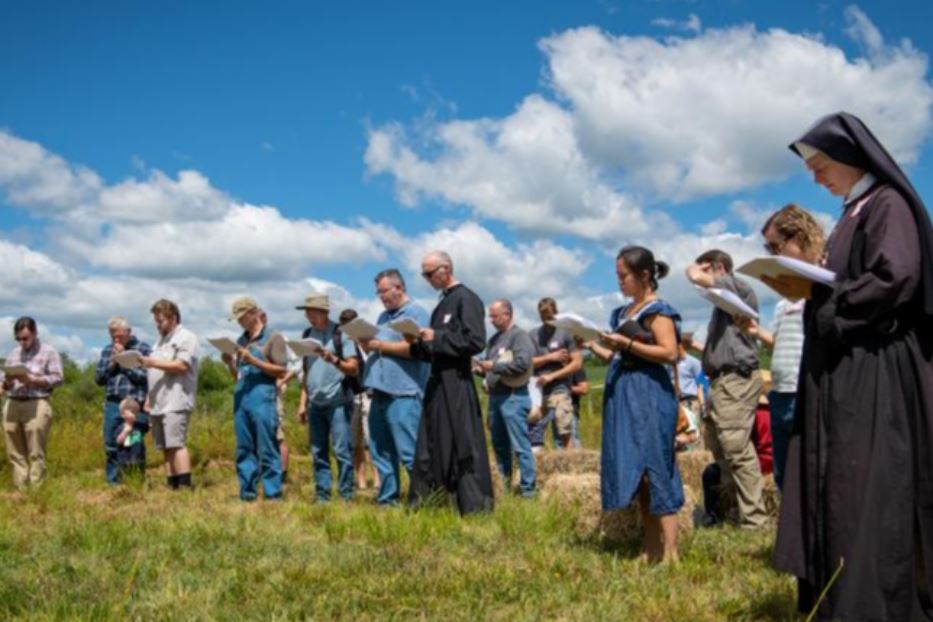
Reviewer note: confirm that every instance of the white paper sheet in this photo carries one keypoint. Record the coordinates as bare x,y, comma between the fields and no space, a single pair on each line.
224,344
359,329
306,347
577,326
774,267
405,326
130,359
15,370
727,301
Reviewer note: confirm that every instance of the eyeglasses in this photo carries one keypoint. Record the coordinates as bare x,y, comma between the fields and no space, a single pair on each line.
23,339
429,273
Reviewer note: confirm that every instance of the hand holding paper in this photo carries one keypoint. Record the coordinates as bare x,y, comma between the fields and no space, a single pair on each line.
225,345
306,347
405,326
359,329
128,359
727,301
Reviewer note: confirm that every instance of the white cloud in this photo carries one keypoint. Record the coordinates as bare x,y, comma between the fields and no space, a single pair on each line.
692,23
247,242
161,198
637,121
689,117
525,169
33,177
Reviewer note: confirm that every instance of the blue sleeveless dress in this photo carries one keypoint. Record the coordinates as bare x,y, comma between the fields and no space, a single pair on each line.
639,423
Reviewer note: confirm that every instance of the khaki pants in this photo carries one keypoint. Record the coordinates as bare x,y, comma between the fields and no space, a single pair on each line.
26,431
732,401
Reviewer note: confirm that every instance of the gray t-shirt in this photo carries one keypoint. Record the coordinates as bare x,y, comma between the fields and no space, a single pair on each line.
549,339
170,393
728,349
511,353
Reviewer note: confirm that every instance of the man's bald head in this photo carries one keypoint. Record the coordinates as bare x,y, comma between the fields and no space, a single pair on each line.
438,258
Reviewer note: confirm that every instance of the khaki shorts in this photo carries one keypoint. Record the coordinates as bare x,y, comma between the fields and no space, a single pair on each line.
170,430
562,406
359,421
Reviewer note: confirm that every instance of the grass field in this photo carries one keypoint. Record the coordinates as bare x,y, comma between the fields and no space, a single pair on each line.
78,549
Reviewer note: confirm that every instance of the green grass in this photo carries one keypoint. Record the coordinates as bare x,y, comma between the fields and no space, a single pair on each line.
78,549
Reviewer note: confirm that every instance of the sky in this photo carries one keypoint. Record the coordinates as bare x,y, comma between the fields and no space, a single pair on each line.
205,151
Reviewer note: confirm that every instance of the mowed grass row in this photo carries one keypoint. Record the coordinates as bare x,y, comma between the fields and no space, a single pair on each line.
78,549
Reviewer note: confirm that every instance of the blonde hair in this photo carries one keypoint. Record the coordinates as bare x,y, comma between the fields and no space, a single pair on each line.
130,404
118,321
792,222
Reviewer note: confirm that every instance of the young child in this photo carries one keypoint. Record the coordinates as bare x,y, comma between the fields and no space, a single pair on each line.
131,450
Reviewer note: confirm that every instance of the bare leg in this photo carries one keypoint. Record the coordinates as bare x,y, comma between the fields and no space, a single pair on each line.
653,546
668,523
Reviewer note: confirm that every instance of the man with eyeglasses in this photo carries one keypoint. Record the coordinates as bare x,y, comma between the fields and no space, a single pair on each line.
450,453
27,414
397,383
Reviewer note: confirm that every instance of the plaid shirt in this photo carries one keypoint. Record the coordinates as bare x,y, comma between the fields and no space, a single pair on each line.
43,362
120,382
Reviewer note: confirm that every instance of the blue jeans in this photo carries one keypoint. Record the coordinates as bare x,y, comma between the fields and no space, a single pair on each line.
508,422
393,429
325,423
113,423
256,423
782,425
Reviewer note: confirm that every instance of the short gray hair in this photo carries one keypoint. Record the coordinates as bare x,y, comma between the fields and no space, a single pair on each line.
117,322
443,258
393,275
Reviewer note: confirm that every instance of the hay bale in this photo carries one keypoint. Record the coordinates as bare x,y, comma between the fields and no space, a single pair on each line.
566,461
580,493
691,465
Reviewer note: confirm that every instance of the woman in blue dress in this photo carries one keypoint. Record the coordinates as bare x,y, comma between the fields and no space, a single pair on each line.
640,405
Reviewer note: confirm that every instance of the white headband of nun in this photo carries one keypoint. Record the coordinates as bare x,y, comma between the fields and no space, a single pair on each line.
806,151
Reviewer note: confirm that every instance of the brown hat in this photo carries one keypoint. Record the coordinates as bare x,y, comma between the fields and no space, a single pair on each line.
242,306
316,301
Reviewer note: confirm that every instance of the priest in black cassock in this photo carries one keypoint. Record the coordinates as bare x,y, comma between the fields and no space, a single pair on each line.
450,452
858,492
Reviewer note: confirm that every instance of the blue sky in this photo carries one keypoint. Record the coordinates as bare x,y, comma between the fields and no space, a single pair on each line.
479,126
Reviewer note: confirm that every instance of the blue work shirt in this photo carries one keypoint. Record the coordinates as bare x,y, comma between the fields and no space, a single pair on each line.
392,374
324,381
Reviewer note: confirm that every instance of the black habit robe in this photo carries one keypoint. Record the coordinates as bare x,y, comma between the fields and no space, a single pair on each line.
859,483
450,452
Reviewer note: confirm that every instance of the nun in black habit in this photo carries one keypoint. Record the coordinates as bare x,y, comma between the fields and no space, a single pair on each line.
450,451
858,493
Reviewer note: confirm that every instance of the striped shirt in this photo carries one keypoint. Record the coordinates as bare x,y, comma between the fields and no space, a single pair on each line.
43,362
788,345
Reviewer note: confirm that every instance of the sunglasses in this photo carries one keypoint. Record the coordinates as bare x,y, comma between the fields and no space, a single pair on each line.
429,273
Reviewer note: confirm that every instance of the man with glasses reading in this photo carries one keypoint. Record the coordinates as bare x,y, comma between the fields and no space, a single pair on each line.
397,383
450,453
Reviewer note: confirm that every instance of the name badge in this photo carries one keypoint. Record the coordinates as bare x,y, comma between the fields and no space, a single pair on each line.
447,317
554,345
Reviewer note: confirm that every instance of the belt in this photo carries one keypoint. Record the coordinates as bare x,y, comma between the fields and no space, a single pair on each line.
684,397
20,398
745,372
